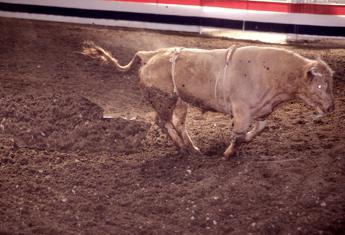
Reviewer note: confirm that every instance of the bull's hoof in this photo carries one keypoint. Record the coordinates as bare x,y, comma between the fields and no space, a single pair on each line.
183,151
228,155
226,158
191,151
195,151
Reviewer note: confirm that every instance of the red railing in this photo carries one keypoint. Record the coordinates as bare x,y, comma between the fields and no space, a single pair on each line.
275,6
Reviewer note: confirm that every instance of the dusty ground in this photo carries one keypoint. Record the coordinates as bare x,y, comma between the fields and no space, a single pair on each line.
64,169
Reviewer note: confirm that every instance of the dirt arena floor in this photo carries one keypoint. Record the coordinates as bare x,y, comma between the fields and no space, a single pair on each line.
67,168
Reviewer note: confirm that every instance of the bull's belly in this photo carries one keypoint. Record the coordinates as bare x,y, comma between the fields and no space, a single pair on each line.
200,96
204,102
199,103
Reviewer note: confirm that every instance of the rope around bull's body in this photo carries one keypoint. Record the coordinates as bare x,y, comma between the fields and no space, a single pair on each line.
228,57
173,65
229,53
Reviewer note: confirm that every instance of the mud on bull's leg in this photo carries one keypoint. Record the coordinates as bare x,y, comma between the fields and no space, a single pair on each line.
165,105
174,135
170,130
179,121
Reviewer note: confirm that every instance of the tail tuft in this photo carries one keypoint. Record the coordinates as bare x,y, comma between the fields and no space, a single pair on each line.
92,50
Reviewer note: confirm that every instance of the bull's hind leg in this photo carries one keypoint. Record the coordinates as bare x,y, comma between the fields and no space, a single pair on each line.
174,135
179,121
164,105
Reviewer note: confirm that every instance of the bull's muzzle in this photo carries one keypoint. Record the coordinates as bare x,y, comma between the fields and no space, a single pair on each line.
322,111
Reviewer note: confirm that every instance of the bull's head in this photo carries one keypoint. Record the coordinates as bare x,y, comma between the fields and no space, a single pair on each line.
317,88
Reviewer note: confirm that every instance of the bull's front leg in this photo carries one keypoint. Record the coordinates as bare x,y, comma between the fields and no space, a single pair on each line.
241,119
259,126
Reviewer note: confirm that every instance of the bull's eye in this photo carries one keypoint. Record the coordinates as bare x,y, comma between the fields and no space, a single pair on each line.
319,86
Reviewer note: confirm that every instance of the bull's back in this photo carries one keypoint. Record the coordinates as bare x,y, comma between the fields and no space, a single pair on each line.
267,60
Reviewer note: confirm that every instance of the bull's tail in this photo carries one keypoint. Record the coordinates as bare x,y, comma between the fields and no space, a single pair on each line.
94,51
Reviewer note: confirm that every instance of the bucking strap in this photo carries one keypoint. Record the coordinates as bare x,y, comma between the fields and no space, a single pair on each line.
173,65
228,58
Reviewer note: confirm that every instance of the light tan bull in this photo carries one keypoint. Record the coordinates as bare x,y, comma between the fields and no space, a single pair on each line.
247,83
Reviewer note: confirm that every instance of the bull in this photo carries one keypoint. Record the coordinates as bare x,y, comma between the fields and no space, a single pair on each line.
248,83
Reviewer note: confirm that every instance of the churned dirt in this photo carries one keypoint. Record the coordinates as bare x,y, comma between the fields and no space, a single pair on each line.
79,153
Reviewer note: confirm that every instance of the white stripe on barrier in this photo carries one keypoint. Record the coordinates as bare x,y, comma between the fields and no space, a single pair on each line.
106,22
197,11
228,33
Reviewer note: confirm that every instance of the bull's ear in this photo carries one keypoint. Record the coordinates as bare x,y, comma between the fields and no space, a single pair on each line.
315,72
310,76
311,71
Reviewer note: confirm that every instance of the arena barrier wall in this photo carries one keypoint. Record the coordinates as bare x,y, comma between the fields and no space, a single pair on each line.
292,17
